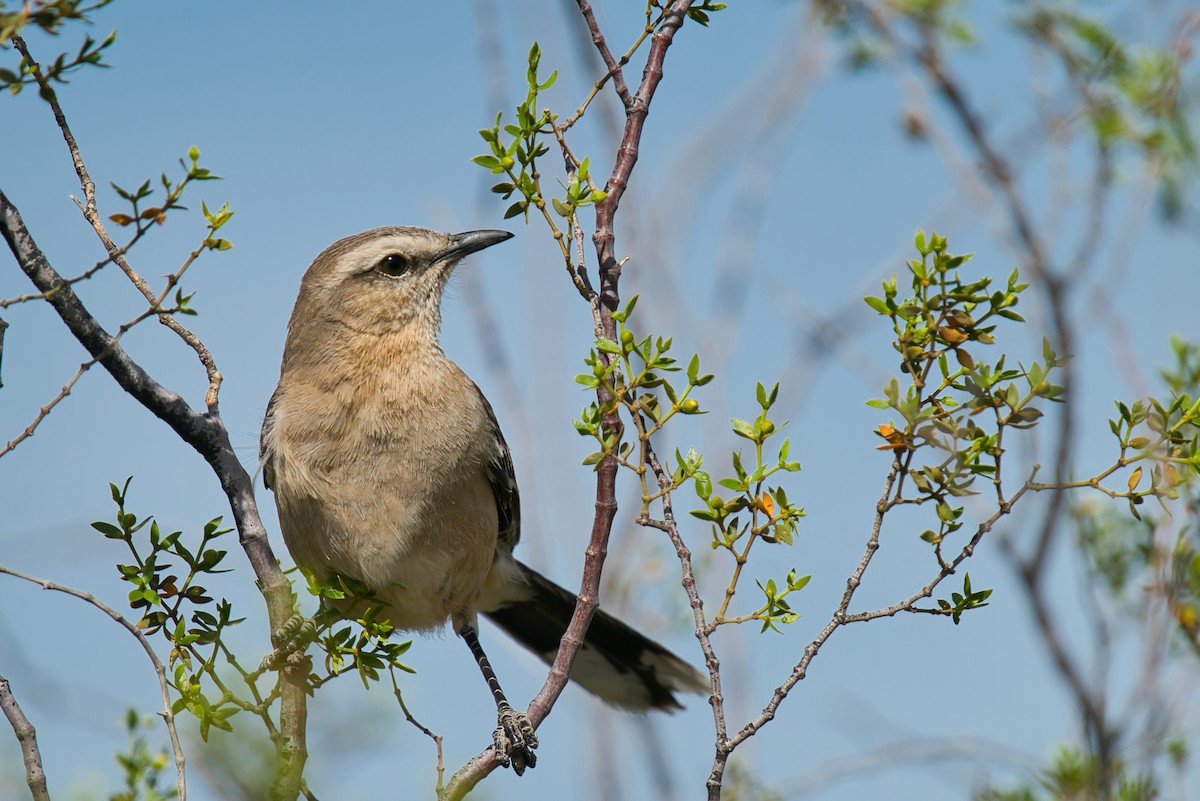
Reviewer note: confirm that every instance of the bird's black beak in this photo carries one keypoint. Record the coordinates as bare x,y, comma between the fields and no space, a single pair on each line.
471,241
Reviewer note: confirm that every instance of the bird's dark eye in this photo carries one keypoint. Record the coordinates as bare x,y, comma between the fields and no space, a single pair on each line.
392,264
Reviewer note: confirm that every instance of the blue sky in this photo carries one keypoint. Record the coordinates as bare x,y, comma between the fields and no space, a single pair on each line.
325,122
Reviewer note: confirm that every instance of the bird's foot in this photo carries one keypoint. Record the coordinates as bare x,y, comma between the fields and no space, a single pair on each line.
514,740
290,641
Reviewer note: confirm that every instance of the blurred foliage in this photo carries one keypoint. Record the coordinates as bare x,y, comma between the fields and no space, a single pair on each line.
50,16
1074,775
145,770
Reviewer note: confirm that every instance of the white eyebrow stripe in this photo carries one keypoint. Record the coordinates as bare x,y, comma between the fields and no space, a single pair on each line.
369,254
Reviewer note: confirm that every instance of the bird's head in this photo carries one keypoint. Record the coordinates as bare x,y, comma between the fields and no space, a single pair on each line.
383,281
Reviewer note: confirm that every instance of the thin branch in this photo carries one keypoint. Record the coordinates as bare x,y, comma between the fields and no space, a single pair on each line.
609,269
1091,704
86,274
614,69
35,773
841,617
437,738
160,671
88,207
836,620
1055,289
670,526
44,411
206,433
627,156
947,569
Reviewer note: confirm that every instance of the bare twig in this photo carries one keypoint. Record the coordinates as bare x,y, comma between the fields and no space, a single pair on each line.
437,738
66,390
160,671
85,275
49,407
947,569
670,526
614,69
31,756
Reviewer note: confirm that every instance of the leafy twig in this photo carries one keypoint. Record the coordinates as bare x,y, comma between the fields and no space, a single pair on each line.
159,670
88,207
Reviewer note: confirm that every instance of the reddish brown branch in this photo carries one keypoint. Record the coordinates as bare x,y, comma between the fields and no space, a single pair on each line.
614,69
609,270
627,156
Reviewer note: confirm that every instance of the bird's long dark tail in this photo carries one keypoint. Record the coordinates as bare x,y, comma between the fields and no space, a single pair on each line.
616,663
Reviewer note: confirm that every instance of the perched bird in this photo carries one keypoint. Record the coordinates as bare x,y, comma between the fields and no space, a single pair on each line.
388,467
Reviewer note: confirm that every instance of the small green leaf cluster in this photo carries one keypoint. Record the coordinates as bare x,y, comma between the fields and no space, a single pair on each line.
776,609
962,408
143,768
580,192
155,590
944,314
215,220
1077,774
1164,432
525,146
142,218
364,643
748,485
699,11
1172,444
962,601
180,608
756,510
630,372
49,17
630,375
1123,551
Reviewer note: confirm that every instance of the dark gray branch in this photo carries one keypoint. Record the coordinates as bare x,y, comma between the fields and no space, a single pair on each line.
206,433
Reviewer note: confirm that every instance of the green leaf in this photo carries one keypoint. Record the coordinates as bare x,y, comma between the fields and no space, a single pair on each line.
742,428
877,304
109,530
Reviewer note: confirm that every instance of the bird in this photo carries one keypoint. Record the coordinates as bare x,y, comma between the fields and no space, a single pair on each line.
389,467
